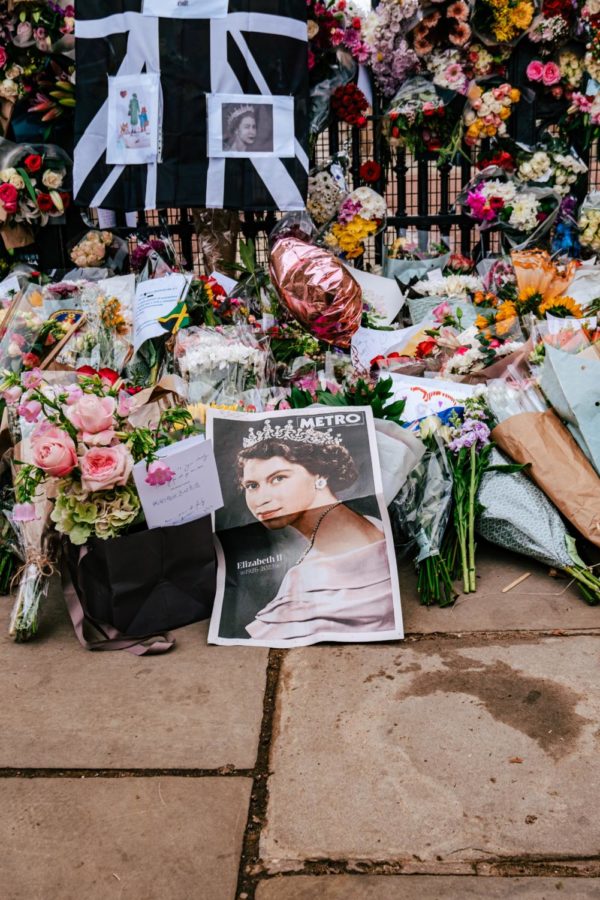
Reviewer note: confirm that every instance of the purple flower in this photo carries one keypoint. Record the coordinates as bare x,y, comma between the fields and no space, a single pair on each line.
472,433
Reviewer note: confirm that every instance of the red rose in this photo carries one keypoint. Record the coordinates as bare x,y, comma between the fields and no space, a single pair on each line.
9,198
45,203
66,199
86,370
496,203
108,375
425,348
370,171
33,162
30,360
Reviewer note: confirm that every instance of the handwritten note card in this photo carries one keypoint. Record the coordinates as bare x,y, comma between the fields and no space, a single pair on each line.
153,299
193,492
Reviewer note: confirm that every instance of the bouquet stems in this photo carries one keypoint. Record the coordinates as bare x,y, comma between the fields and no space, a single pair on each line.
587,582
33,589
434,582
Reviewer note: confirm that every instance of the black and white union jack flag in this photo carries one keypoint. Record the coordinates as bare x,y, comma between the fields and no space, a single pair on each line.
233,108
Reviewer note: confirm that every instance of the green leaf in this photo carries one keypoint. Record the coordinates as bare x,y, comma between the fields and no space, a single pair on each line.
28,184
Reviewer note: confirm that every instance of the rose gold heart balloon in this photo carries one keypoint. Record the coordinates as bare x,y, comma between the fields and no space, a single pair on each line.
317,289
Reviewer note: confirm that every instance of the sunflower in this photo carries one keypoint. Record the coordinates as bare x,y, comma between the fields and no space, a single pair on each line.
529,300
481,323
561,307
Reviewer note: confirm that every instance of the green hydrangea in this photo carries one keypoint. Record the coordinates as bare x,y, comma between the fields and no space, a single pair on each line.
104,514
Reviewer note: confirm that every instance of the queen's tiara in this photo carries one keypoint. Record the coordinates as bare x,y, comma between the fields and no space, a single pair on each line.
240,111
288,432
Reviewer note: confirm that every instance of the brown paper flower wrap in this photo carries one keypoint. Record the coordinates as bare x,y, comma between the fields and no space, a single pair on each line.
317,290
558,466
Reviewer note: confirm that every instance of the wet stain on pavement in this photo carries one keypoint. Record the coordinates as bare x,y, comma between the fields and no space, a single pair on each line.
540,708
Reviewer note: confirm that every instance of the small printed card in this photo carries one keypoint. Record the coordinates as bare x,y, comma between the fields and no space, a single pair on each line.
250,125
186,9
134,110
183,486
156,299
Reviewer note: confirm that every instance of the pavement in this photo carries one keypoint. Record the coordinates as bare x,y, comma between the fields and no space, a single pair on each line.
462,762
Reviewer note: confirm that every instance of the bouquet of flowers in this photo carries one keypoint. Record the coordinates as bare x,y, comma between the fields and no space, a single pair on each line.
361,215
517,515
335,23
422,512
220,364
551,163
524,214
84,446
327,189
502,21
421,116
447,24
487,112
31,189
407,262
473,350
448,70
589,222
385,32
541,285
349,104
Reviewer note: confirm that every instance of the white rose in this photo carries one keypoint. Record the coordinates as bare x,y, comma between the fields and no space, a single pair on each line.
52,180
9,90
313,29
17,181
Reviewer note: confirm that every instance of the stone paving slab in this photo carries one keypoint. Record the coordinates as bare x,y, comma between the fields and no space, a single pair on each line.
438,752
64,707
422,887
540,603
150,838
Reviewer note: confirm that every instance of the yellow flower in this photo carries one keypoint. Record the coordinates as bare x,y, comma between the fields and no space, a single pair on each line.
481,322
515,95
505,317
522,14
561,307
504,112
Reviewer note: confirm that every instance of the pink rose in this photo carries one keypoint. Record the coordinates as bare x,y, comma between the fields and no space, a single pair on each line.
74,394
441,311
551,74
124,404
91,414
53,450
535,70
103,468
24,32
3,57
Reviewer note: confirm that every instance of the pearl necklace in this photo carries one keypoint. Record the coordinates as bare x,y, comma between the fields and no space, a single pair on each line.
314,532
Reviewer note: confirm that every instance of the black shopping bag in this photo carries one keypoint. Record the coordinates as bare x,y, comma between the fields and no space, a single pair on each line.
144,583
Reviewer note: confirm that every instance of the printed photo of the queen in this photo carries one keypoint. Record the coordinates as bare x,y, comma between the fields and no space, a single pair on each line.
303,546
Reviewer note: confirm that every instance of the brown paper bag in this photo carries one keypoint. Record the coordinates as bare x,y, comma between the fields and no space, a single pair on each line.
558,466
6,112
148,404
16,236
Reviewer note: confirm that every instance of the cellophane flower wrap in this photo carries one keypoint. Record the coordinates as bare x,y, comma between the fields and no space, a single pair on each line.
220,364
522,213
421,513
361,215
33,187
76,468
422,116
